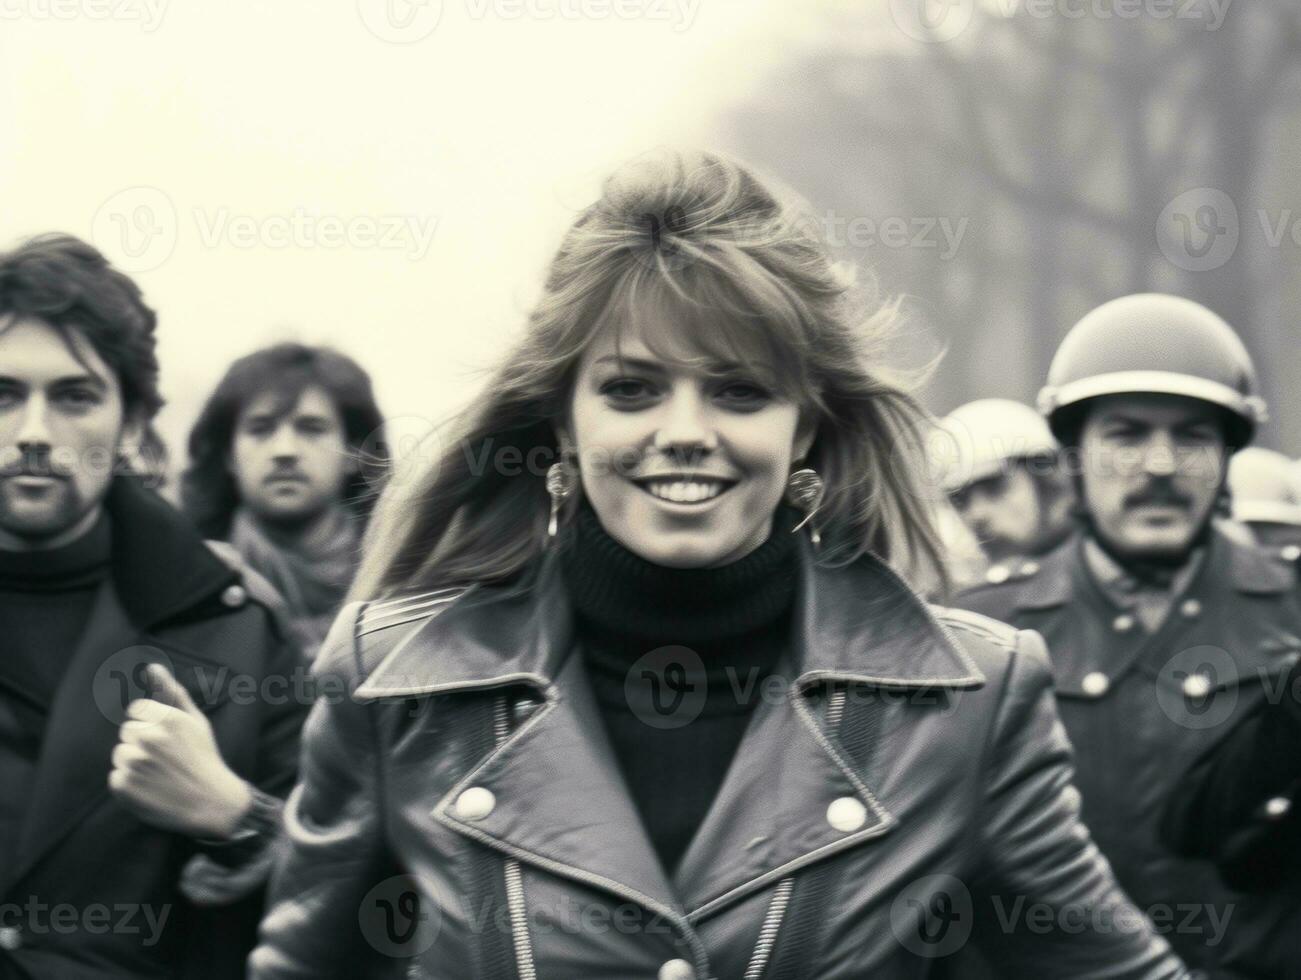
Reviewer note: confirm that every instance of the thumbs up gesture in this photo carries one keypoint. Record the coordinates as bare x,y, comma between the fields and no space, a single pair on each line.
167,768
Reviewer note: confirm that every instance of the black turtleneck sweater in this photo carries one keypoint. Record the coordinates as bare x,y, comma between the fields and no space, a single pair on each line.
676,716
45,601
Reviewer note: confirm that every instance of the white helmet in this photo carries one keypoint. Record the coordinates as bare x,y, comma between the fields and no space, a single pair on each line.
980,438
1265,487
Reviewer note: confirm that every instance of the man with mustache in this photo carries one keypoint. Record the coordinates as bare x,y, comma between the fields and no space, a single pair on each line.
1163,631
148,722
286,459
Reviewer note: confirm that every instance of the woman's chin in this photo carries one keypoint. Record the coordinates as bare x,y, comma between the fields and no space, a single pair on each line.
693,553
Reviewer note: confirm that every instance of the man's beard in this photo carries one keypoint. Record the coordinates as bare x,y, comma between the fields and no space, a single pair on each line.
1150,564
37,521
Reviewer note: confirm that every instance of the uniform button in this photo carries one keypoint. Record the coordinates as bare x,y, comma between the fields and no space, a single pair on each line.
1278,807
1095,684
1291,552
1123,623
676,970
846,814
234,596
10,938
1191,608
1197,686
998,574
475,803
1030,568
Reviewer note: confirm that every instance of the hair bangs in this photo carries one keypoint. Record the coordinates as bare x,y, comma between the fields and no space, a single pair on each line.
714,319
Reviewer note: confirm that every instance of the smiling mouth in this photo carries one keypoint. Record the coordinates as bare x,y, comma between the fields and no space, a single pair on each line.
680,490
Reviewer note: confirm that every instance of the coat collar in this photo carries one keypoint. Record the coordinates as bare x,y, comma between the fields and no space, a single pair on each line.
856,623
160,565
160,568
1245,569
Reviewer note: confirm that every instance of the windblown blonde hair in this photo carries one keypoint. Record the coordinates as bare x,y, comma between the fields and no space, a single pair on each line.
747,271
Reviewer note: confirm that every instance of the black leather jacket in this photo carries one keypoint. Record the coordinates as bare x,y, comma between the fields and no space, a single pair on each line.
908,791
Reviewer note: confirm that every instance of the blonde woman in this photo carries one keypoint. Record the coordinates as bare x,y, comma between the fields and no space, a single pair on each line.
634,690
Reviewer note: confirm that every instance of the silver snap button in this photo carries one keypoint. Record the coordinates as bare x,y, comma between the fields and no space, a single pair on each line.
1030,568
1095,684
1191,608
1291,552
846,814
475,803
1197,686
1277,807
676,970
10,938
234,596
998,574
1123,623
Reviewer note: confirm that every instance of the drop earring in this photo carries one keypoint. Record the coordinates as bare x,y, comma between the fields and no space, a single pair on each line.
804,490
560,486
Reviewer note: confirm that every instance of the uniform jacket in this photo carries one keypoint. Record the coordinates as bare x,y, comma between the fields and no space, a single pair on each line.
912,768
1241,806
168,599
1140,708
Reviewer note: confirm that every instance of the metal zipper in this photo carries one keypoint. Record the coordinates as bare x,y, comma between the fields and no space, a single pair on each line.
514,878
835,707
771,926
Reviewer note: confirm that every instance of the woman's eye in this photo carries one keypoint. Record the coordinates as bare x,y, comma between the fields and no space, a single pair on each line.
626,390
743,393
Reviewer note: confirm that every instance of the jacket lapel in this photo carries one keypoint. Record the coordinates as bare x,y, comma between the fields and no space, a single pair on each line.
160,568
561,801
81,730
859,625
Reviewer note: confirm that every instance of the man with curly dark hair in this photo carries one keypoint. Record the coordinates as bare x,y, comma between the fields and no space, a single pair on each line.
142,752
285,462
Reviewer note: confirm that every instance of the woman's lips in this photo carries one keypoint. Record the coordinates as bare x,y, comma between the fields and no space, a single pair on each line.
685,490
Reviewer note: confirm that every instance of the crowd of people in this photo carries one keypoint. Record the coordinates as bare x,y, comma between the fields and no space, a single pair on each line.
699,649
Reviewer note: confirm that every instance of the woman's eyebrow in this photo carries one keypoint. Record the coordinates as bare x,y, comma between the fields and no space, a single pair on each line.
633,362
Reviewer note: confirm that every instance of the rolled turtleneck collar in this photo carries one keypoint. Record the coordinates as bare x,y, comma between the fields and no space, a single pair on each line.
75,565
618,593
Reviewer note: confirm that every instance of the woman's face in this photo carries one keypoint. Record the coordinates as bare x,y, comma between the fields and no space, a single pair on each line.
684,464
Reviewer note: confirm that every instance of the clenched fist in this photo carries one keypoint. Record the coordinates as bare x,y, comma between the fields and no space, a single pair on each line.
167,768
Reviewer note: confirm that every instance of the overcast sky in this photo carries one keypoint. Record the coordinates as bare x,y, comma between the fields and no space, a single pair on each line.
387,176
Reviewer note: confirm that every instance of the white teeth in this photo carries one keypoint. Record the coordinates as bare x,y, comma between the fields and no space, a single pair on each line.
683,491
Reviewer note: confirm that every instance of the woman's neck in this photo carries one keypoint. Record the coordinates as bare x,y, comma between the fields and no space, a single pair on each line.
615,592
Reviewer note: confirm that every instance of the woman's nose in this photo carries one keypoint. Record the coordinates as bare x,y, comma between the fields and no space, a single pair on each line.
686,425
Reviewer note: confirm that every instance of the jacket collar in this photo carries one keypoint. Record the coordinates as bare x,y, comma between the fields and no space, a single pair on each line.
1246,569
160,565
854,623
857,623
